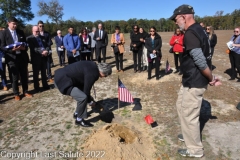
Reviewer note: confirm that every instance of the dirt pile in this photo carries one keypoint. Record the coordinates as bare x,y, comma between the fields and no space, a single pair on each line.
120,143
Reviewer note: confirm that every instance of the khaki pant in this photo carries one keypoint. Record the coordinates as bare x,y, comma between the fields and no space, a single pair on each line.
188,107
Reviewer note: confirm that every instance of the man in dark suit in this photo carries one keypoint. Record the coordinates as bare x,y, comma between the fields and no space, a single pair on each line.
76,80
60,47
49,43
17,57
101,39
38,52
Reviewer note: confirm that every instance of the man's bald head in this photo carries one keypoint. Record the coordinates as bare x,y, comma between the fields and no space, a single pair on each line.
35,31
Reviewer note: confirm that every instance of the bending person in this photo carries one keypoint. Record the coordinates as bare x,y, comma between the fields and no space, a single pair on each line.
76,80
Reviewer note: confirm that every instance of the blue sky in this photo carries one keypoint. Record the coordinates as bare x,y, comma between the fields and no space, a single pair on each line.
126,9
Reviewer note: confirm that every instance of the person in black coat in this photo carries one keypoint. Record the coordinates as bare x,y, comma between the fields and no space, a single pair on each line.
153,44
17,58
101,38
136,46
76,80
39,52
85,41
212,38
49,43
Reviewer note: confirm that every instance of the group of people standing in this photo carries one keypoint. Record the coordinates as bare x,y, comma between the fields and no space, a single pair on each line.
176,42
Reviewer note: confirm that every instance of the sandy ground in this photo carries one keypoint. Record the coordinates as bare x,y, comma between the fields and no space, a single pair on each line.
42,127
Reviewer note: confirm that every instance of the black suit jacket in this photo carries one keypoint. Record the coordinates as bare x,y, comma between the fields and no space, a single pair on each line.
36,50
6,39
102,42
59,42
82,74
47,39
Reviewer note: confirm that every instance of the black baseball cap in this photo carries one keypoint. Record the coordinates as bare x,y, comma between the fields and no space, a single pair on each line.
183,9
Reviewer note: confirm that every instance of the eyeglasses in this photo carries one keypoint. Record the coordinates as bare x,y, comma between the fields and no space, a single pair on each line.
235,31
152,31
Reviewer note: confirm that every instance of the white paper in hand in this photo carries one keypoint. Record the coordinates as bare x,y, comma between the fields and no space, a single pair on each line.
153,55
76,54
60,49
230,45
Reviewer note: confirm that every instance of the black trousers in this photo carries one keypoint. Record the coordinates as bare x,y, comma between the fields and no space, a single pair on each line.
235,63
85,56
92,52
150,66
36,67
177,57
61,57
49,71
72,59
119,60
98,52
137,56
19,67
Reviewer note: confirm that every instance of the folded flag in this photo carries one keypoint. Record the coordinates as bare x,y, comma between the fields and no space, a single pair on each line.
17,44
167,69
123,94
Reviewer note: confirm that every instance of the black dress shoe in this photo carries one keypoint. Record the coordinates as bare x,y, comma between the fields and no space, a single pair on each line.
83,123
148,78
157,78
46,88
37,90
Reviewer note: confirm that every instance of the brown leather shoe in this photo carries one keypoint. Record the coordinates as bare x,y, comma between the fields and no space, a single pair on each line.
5,88
50,80
17,98
28,95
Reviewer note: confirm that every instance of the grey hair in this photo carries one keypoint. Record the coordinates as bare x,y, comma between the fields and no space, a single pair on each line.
58,31
105,68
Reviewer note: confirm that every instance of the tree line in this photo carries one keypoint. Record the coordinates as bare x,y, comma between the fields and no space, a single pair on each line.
21,9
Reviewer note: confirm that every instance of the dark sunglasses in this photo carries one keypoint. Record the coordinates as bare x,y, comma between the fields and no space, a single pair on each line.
235,31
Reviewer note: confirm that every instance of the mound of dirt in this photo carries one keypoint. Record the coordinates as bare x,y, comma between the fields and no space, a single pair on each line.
119,143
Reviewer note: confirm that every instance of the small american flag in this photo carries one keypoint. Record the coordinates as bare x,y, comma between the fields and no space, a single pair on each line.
167,69
123,94
17,44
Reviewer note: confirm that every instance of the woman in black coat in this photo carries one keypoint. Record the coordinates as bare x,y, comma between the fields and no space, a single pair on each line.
153,43
136,46
85,41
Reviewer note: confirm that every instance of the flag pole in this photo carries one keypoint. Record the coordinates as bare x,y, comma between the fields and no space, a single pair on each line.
118,94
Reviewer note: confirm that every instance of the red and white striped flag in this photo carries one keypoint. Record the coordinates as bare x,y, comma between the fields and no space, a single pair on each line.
123,94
